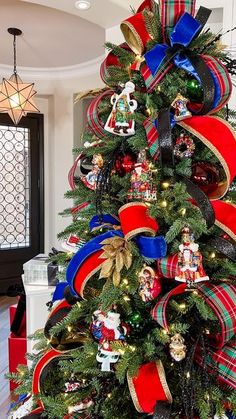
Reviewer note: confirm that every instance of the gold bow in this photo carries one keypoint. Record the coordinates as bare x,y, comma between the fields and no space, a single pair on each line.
117,252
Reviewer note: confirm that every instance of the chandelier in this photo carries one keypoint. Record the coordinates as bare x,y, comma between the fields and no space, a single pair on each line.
16,97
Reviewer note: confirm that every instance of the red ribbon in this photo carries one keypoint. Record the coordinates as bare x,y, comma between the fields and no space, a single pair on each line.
134,219
148,387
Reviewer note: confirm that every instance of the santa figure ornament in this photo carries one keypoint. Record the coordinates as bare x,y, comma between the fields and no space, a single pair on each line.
120,121
190,269
107,328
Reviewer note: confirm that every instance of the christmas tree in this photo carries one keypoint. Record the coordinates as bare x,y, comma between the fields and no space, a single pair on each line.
143,319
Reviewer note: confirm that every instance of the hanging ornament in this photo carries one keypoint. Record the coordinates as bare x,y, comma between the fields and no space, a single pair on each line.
86,170
107,328
190,269
83,405
194,91
73,243
180,106
207,176
123,106
142,186
136,321
150,286
184,147
125,163
90,180
177,347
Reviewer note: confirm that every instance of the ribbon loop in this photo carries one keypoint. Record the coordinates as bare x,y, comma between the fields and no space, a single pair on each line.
134,221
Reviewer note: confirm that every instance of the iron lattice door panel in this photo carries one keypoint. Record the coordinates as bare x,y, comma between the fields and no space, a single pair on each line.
21,195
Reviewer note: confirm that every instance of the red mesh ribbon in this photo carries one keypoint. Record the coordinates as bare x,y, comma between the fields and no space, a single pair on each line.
220,138
148,387
134,220
225,217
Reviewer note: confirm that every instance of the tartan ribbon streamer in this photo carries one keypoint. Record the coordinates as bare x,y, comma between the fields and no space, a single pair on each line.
171,11
222,363
221,298
152,138
94,121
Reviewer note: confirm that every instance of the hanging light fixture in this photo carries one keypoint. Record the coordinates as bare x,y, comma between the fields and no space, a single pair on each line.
16,97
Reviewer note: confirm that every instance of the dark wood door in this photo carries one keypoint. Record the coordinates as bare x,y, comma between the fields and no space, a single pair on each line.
21,195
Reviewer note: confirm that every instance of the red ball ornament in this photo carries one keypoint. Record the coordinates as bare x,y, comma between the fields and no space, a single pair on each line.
125,163
207,177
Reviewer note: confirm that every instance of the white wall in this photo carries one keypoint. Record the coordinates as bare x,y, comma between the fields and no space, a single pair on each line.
55,100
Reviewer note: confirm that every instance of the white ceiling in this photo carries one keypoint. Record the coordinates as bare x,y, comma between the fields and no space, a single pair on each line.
55,33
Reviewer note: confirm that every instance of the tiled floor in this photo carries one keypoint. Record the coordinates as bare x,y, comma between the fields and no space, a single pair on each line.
5,302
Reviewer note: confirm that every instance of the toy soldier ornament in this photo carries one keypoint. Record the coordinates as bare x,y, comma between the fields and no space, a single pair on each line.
180,106
120,121
190,269
177,347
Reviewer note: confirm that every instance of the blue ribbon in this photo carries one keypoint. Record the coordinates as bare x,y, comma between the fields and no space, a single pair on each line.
185,30
150,247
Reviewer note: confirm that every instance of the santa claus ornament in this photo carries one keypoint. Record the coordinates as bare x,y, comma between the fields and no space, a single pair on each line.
107,328
190,269
150,286
120,121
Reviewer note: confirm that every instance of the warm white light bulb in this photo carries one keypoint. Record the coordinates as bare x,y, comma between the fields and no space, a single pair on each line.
82,4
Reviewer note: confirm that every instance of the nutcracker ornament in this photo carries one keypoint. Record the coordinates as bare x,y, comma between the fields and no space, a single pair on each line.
142,186
180,107
177,347
190,269
107,328
150,286
120,121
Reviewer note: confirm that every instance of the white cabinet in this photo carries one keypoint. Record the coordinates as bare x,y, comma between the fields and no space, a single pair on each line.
37,296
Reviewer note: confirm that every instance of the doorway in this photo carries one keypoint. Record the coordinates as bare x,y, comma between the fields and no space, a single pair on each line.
21,195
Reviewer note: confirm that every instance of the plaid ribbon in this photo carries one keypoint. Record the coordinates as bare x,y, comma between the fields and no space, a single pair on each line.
168,266
222,363
171,11
94,121
152,138
158,313
223,79
221,298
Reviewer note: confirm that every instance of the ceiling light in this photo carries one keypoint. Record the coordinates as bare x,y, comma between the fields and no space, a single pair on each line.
16,97
82,4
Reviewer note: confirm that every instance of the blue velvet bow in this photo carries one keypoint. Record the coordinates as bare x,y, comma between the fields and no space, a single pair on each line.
162,55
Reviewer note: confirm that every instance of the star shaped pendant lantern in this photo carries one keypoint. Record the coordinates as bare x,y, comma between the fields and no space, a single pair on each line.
16,97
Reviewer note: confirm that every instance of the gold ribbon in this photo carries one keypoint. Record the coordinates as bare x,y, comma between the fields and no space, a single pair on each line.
117,252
